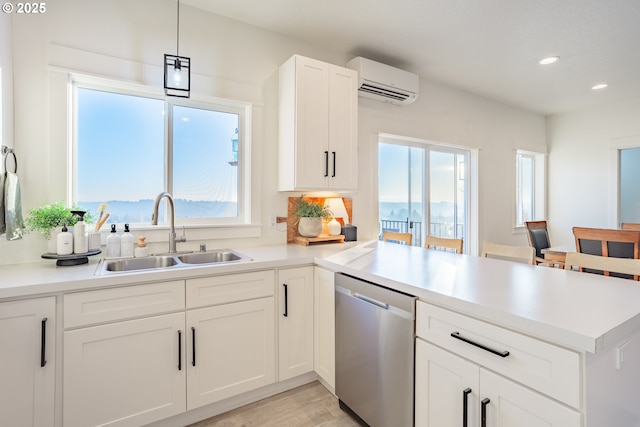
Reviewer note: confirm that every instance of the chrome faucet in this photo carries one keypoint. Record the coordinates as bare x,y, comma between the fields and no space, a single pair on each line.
154,221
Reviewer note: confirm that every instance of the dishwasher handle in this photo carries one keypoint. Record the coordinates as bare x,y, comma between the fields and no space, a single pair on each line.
370,300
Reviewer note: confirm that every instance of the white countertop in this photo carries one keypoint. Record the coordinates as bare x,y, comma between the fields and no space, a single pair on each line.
582,311
578,310
26,280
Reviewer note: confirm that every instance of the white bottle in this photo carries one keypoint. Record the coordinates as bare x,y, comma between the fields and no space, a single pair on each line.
64,242
80,242
113,243
126,243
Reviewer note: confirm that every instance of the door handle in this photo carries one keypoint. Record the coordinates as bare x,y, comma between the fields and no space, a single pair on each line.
286,300
484,403
193,346
334,164
465,406
43,342
179,350
326,163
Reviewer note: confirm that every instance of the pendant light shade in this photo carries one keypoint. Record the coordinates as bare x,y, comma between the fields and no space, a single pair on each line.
177,75
177,69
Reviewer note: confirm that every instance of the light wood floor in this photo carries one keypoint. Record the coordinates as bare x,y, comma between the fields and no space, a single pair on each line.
306,406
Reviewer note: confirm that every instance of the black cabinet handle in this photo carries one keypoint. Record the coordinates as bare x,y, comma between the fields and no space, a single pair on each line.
43,343
334,164
465,406
179,350
483,414
326,163
457,336
286,300
193,346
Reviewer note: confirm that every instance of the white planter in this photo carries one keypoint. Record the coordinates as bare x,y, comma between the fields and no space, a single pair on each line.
309,227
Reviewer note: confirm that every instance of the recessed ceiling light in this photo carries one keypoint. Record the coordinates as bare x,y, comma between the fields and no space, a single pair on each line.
599,86
549,60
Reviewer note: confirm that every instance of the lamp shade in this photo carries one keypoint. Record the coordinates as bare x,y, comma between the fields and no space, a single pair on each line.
177,75
337,208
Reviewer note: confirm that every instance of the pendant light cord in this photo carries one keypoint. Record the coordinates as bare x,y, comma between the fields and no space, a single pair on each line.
178,32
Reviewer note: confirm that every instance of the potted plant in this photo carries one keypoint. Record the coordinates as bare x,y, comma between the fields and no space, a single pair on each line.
45,218
310,215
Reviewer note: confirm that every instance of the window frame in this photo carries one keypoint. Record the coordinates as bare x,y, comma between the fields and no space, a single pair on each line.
538,192
243,110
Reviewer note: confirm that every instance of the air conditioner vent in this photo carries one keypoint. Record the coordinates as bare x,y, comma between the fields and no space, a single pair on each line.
384,82
376,90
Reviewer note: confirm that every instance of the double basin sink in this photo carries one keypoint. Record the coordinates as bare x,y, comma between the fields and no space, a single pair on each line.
167,261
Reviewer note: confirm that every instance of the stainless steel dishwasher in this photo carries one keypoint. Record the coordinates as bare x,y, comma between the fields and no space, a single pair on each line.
375,336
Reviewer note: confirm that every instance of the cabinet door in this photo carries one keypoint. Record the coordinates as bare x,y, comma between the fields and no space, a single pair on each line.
343,128
27,363
230,350
324,325
125,374
295,322
311,124
445,384
512,405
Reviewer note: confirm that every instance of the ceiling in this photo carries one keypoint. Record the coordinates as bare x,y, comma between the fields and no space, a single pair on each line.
487,47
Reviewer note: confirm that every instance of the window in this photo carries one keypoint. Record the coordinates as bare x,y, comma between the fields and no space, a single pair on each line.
423,189
530,196
129,147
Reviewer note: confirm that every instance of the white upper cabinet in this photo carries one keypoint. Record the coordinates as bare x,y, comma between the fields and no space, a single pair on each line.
318,126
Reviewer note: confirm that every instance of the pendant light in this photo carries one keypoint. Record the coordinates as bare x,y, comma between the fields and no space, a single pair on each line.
177,69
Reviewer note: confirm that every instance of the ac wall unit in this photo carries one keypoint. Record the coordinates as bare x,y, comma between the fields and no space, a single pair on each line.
384,82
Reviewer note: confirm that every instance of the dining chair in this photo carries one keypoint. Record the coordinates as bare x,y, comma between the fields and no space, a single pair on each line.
603,265
397,237
524,254
608,242
630,226
538,237
445,243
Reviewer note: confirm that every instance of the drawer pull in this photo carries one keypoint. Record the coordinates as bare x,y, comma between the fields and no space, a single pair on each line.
457,336
43,343
465,406
483,415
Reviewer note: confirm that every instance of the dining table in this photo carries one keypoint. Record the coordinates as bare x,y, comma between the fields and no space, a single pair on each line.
558,254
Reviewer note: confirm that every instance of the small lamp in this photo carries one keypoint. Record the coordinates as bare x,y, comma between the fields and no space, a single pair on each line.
177,69
336,206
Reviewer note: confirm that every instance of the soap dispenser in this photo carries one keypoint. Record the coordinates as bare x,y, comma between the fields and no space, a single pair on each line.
64,242
113,243
141,248
80,242
126,243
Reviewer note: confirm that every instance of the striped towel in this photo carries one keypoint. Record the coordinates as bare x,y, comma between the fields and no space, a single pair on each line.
12,207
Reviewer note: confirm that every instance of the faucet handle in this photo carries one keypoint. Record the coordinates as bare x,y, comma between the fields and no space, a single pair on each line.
203,247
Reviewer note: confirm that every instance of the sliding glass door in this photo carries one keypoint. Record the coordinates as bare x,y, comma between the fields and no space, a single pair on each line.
422,189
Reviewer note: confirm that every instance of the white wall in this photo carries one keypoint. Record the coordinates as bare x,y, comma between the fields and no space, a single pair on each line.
582,177
6,84
126,40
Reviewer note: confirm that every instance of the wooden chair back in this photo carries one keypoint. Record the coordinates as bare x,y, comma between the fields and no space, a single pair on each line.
607,242
630,226
538,237
406,238
433,242
525,254
603,265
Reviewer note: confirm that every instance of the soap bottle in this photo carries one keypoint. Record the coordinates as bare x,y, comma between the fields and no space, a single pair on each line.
141,250
80,242
126,243
64,242
113,243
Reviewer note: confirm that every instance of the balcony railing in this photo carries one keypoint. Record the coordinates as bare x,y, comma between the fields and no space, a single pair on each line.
440,229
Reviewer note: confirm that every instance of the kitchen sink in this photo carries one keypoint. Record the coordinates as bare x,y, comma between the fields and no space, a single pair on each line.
132,264
159,262
210,257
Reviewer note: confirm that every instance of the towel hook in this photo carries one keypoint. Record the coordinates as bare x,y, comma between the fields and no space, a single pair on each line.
5,153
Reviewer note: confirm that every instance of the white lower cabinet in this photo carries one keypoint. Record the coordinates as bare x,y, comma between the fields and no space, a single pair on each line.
126,373
473,374
295,322
451,391
324,312
230,350
27,362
